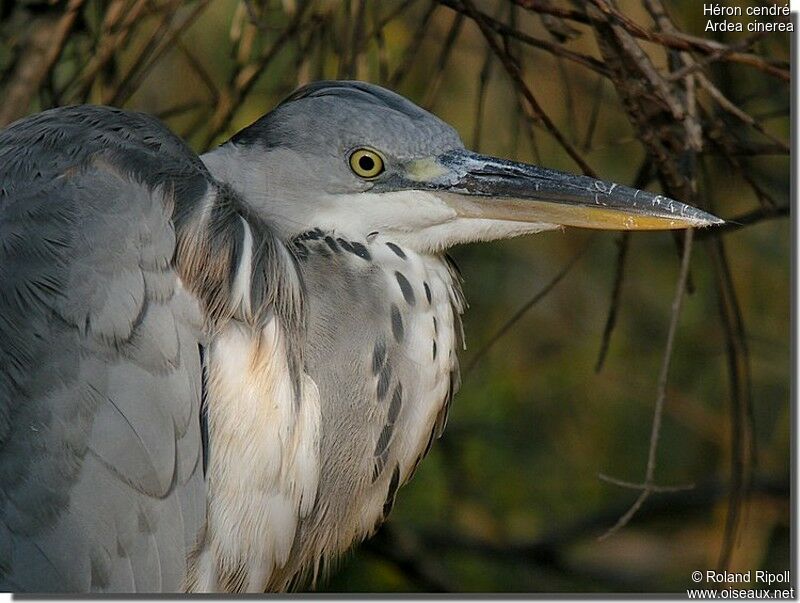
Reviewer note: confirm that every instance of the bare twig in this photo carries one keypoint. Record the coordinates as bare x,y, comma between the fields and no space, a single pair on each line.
413,47
179,109
731,108
764,198
643,177
642,486
742,439
590,127
357,40
119,22
243,79
623,242
676,41
545,548
510,32
383,22
444,55
516,76
703,62
380,43
46,42
649,486
483,81
537,297
166,36
198,68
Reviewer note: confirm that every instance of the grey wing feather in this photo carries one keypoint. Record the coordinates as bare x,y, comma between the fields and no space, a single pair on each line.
101,484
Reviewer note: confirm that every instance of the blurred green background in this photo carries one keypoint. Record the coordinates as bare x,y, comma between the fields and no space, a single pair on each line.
509,499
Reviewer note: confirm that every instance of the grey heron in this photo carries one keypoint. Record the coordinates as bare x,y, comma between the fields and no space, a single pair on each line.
217,371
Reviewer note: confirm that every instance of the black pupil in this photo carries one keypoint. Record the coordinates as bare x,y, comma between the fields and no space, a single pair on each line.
366,163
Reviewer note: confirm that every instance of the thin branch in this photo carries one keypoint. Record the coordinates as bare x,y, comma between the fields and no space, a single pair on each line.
719,139
506,31
719,55
649,486
643,177
413,47
165,14
382,23
118,24
162,41
483,82
179,109
731,108
545,549
444,55
623,243
380,44
642,486
676,40
537,297
46,42
198,68
741,426
516,76
357,40
245,76
597,95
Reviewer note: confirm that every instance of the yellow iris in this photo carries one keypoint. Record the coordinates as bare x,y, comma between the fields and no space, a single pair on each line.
366,163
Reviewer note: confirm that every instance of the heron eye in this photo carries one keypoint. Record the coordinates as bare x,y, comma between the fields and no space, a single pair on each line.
366,163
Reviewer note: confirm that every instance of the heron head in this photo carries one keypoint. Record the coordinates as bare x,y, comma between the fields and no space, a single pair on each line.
358,159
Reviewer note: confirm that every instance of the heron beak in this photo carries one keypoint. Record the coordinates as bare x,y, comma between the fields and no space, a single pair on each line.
479,186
